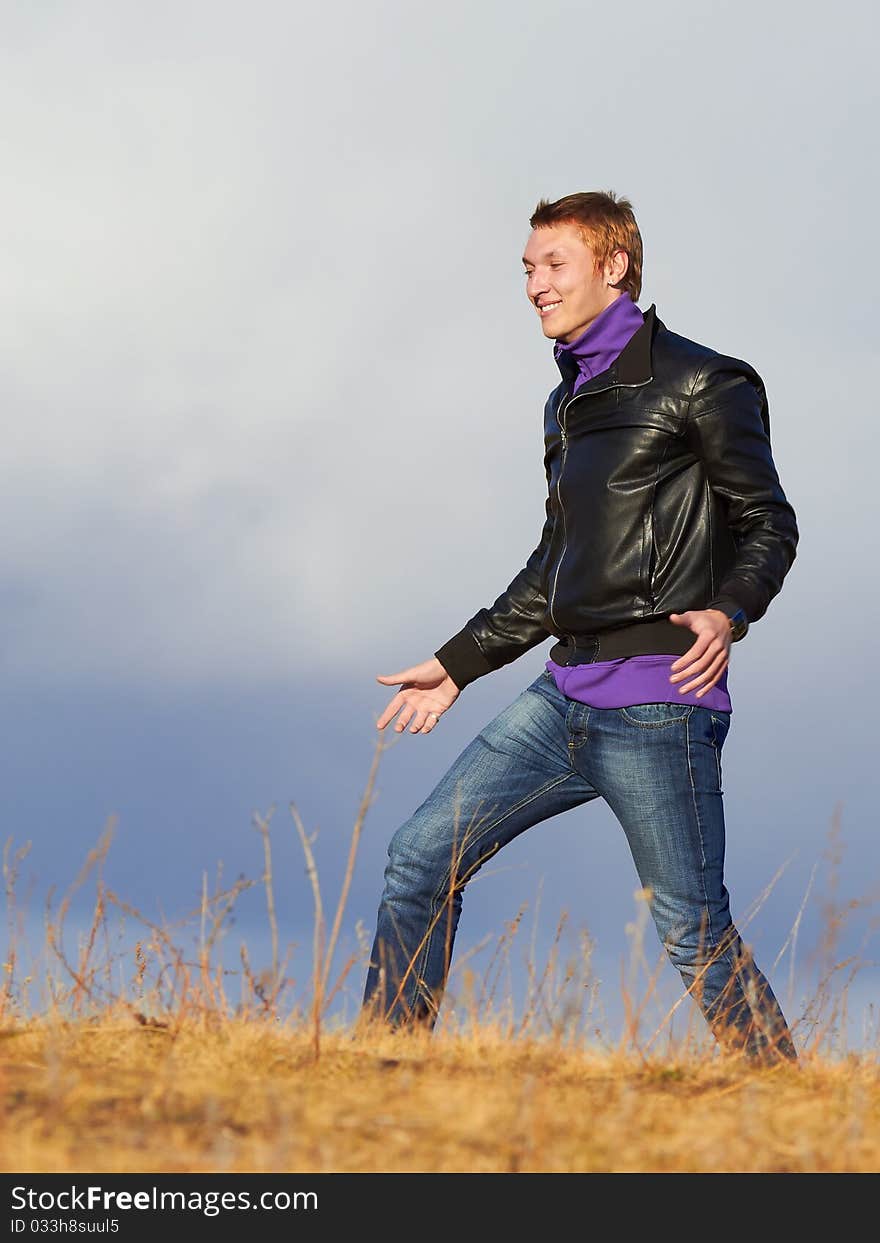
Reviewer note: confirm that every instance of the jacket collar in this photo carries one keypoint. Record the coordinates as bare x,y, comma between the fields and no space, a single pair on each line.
632,366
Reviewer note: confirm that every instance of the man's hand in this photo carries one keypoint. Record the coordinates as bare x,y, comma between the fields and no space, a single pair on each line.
707,659
427,691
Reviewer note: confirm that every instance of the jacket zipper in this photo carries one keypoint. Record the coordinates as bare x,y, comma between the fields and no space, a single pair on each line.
564,432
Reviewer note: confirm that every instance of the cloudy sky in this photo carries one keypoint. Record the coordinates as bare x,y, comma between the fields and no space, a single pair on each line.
272,414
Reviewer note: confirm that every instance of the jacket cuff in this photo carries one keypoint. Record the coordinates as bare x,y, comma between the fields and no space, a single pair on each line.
736,593
463,658
725,604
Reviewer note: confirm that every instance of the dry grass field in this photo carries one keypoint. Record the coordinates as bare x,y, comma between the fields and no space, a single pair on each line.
115,1096
148,1065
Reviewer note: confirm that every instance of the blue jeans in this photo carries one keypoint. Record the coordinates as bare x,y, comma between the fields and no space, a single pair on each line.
658,766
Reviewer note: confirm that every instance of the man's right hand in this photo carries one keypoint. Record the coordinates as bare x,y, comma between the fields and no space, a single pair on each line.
425,689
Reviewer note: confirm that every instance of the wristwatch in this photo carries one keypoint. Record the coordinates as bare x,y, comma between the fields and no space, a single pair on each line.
739,624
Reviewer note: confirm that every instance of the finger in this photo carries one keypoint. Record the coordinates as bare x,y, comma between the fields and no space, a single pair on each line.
705,690
390,678
696,671
697,647
710,646
708,679
425,720
713,675
404,718
391,710
688,664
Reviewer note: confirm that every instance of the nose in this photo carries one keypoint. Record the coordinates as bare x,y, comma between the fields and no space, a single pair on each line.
536,284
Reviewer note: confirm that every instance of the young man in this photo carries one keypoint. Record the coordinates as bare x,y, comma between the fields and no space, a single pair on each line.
667,534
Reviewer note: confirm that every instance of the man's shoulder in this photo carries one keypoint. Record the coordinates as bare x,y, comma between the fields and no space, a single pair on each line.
685,364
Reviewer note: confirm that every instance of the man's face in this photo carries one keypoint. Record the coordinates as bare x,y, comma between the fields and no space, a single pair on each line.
561,281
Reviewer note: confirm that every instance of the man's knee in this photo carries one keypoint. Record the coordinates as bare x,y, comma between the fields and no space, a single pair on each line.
424,856
694,944
418,867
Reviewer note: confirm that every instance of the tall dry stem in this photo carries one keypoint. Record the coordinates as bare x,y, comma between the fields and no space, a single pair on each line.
10,876
262,825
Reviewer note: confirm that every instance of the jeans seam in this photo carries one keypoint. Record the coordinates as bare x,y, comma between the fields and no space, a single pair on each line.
727,955
443,887
711,930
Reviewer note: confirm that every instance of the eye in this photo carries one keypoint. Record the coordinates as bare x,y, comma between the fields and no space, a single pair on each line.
556,265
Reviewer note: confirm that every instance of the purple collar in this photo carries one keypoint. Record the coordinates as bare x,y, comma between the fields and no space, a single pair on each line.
600,343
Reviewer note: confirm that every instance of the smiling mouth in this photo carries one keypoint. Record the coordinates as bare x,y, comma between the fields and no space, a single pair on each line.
548,308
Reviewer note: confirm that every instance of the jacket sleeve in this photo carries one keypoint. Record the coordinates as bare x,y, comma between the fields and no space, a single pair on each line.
728,427
513,625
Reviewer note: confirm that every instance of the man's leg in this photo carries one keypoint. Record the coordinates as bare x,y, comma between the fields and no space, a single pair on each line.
659,768
514,774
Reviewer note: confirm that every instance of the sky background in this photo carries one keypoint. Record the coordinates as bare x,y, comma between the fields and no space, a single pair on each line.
272,411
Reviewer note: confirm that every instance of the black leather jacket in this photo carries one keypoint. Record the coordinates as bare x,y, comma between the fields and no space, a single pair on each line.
662,497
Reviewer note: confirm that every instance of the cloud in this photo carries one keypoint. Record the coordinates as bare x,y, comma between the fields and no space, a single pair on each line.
269,379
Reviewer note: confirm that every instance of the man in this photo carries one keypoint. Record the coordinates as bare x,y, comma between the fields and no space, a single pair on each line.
667,534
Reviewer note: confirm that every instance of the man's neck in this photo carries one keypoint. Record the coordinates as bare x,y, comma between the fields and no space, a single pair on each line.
600,343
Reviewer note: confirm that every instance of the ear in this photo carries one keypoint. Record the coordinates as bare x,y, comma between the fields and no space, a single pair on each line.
616,268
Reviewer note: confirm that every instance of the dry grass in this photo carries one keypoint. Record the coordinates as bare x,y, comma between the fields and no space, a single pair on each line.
163,1071
249,1096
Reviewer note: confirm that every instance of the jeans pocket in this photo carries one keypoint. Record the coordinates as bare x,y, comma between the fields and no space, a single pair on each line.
721,727
654,715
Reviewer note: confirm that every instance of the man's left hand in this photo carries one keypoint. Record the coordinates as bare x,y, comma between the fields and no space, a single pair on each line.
705,662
